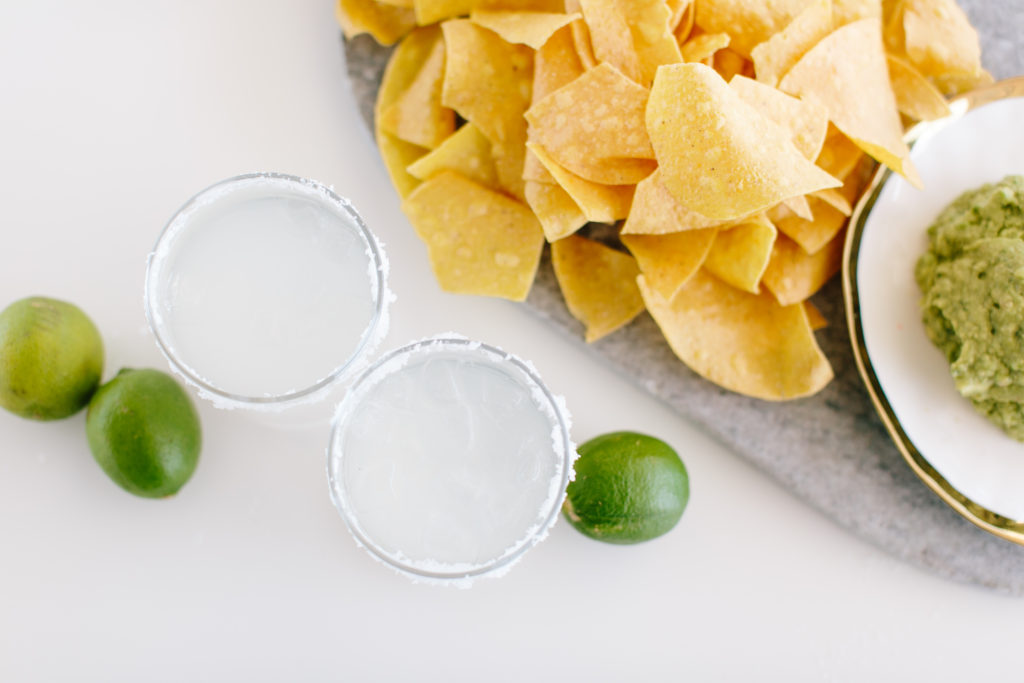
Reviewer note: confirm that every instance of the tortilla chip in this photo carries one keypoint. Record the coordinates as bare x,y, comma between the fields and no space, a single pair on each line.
479,241
743,342
702,47
684,25
467,151
741,253
556,63
839,154
431,11
656,212
397,155
813,234
717,155
669,261
800,206
488,81
835,199
599,203
939,39
847,74
581,39
916,97
558,214
793,275
594,127
525,28
387,23
749,23
610,37
417,115
806,122
650,25
816,320
729,64
848,11
777,55
598,283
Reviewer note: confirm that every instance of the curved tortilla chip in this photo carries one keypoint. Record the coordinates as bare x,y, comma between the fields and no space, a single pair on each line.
417,115
558,214
656,212
594,127
847,74
915,95
465,151
806,122
599,203
598,283
740,254
525,28
480,242
777,55
746,343
793,275
669,261
718,155
387,23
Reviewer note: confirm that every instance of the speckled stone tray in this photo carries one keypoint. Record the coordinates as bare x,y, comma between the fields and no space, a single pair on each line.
830,450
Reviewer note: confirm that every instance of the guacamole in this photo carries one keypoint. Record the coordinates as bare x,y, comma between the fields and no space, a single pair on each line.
972,279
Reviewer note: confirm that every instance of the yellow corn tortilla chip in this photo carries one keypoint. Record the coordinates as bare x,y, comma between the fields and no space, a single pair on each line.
417,115
800,206
939,39
814,317
729,64
581,39
847,74
397,155
813,234
669,261
594,127
387,23
702,47
835,199
743,342
650,27
399,73
431,11
677,12
655,211
610,37
488,81
598,284
847,11
717,155
399,3
684,25
467,151
555,64
806,122
793,275
558,214
839,154
777,55
480,242
740,254
916,97
525,28
599,203
749,23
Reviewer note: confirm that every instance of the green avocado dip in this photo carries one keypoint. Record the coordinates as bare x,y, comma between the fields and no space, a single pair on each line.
972,278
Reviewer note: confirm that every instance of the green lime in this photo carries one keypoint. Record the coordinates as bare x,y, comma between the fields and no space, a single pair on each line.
629,488
51,358
144,432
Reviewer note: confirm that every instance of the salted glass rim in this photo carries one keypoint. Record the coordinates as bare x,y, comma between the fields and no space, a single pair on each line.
310,188
553,407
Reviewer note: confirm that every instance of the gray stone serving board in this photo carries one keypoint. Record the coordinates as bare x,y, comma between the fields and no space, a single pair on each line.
830,450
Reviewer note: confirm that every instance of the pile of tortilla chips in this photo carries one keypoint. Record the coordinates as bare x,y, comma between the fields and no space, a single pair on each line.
725,140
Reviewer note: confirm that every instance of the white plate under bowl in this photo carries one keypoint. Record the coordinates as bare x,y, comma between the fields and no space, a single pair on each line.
966,459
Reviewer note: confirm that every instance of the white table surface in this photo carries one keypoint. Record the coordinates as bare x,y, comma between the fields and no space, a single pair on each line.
111,115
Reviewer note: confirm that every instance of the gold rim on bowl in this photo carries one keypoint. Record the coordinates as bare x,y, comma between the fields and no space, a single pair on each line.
993,522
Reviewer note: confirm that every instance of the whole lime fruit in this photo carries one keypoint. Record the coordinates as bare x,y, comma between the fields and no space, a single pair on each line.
144,431
629,488
51,358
